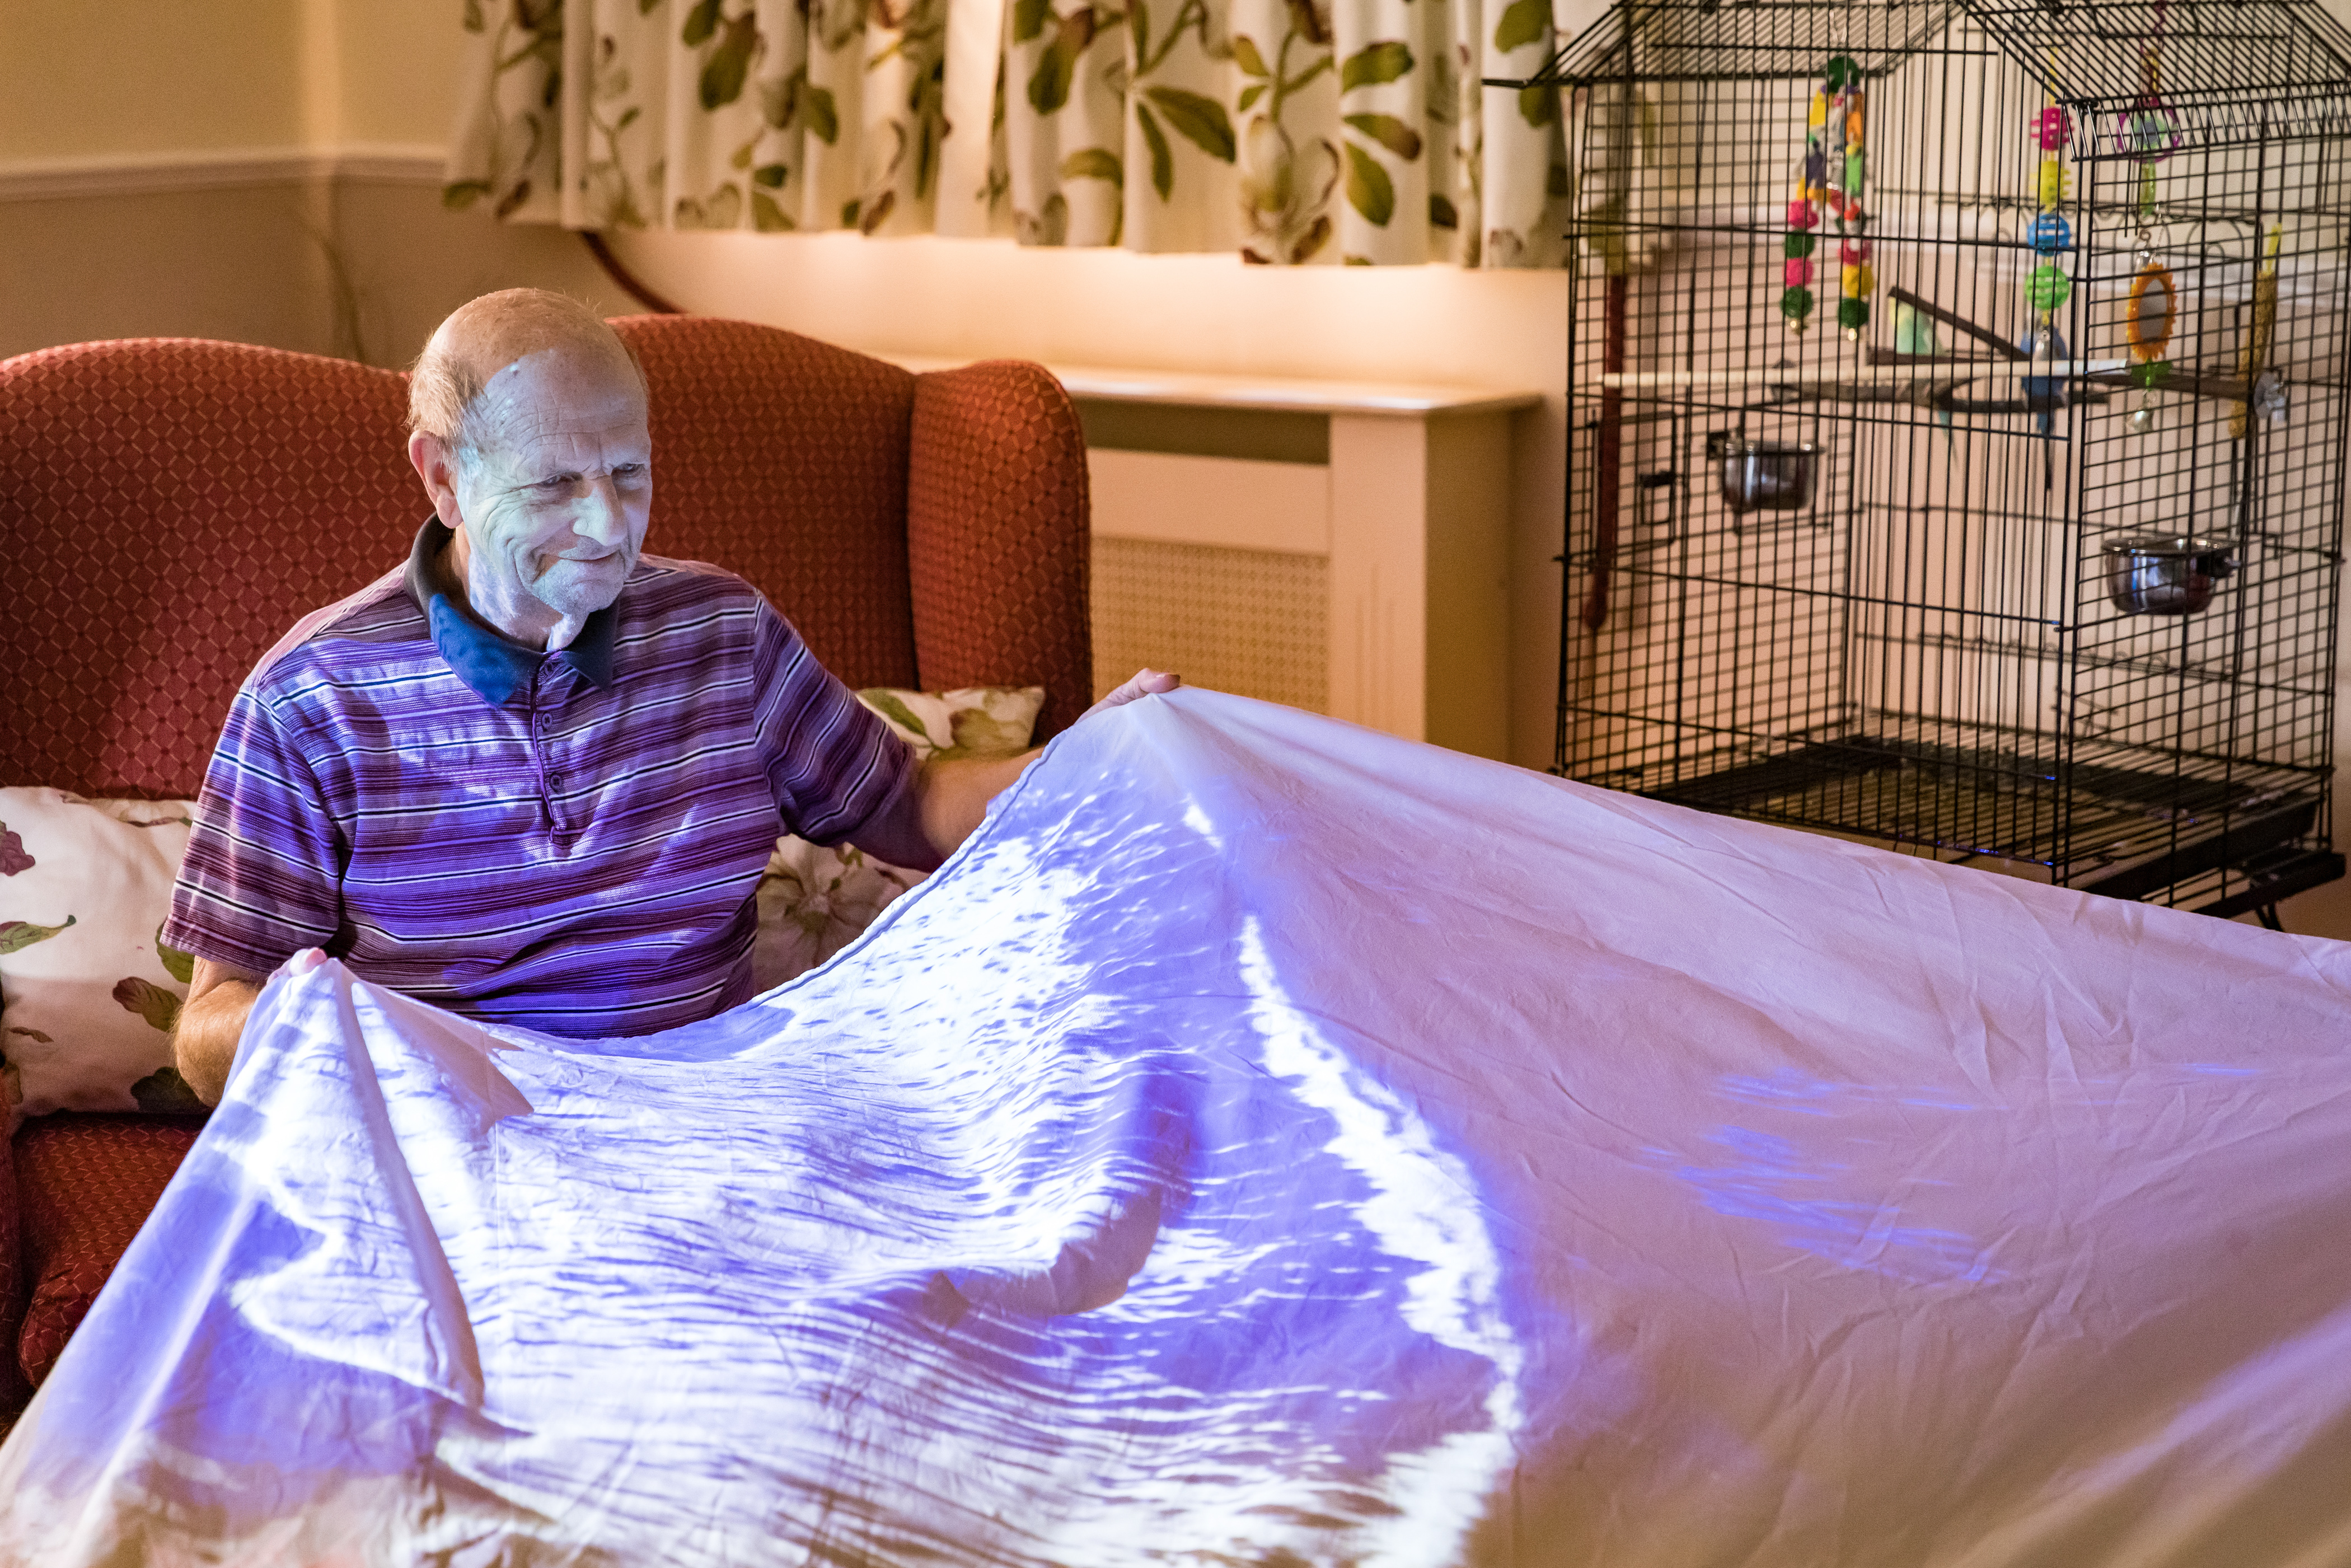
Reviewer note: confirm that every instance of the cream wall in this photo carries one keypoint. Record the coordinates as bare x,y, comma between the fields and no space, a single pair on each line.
78,80
381,71
236,262
260,170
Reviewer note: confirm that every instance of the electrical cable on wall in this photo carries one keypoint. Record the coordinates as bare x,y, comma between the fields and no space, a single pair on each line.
636,288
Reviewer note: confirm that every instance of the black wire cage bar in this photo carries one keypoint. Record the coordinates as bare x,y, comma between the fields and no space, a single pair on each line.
1956,428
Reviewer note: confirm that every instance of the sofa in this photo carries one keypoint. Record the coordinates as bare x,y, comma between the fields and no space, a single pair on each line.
170,506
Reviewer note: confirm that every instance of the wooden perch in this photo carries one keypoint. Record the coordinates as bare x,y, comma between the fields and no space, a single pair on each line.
1889,357
2228,389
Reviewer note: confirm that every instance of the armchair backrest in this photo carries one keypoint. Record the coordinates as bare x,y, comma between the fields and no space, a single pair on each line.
783,459
836,482
170,506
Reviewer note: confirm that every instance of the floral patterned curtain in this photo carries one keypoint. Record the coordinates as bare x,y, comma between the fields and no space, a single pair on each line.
1292,130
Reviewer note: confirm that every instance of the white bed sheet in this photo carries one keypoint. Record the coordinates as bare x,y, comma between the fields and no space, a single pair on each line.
1269,1142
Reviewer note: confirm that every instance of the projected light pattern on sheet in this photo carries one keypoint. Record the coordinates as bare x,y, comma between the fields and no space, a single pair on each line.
1269,1143
1052,1262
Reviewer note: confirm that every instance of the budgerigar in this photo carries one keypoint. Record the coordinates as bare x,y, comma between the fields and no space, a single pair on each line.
1914,333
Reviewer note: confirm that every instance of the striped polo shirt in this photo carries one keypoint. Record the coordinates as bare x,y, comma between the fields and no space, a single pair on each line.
570,842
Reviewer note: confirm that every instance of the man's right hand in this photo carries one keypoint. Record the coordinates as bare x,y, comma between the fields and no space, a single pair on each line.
212,1021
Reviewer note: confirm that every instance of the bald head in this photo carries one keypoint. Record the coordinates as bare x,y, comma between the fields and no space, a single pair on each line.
491,334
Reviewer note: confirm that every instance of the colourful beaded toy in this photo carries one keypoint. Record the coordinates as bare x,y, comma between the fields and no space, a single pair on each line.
2050,288
1830,176
2047,288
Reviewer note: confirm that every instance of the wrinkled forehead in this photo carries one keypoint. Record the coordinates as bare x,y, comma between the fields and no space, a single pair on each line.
563,397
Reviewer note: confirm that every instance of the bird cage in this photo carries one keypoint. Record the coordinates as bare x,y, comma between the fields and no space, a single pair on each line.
1957,425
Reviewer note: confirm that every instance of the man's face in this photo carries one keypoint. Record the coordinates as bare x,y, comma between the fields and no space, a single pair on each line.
556,504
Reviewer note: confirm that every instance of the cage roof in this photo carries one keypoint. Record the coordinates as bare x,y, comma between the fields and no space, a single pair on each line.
2228,69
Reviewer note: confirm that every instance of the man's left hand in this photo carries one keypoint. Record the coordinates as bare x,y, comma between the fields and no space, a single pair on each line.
1145,684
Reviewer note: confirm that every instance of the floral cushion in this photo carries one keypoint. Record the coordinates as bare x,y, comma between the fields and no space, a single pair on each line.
814,901
87,991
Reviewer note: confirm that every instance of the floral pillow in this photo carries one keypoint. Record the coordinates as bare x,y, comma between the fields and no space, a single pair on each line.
814,901
87,991
977,721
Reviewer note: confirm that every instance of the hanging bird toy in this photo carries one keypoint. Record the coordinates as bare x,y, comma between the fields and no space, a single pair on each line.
2047,288
1830,176
2149,133
2050,235
2267,388
1803,214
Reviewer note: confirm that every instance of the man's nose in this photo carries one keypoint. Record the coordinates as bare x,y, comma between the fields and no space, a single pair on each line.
597,514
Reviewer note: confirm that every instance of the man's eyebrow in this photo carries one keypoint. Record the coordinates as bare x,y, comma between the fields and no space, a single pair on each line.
573,476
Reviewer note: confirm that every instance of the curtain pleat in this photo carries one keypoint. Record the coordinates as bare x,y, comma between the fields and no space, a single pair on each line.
1320,132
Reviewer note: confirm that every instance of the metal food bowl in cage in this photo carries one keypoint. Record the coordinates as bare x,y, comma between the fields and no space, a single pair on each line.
1763,475
2165,574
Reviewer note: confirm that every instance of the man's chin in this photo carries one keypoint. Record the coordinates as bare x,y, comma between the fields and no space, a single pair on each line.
579,589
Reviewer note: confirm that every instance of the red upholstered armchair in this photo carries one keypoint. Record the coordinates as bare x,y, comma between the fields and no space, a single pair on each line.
169,508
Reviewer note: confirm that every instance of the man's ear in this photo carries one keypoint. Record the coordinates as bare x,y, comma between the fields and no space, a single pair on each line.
436,464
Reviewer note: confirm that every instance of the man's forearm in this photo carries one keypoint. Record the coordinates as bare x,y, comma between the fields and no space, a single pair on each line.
955,795
204,1041
941,806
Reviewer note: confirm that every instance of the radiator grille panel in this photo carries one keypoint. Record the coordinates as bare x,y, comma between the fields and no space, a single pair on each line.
1251,622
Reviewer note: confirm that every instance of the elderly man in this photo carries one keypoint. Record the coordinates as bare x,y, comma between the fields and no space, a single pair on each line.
533,776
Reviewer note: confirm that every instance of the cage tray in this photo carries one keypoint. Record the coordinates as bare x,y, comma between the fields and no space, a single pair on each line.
2121,830
2260,882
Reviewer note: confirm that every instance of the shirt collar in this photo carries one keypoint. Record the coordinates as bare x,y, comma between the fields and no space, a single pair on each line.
485,658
